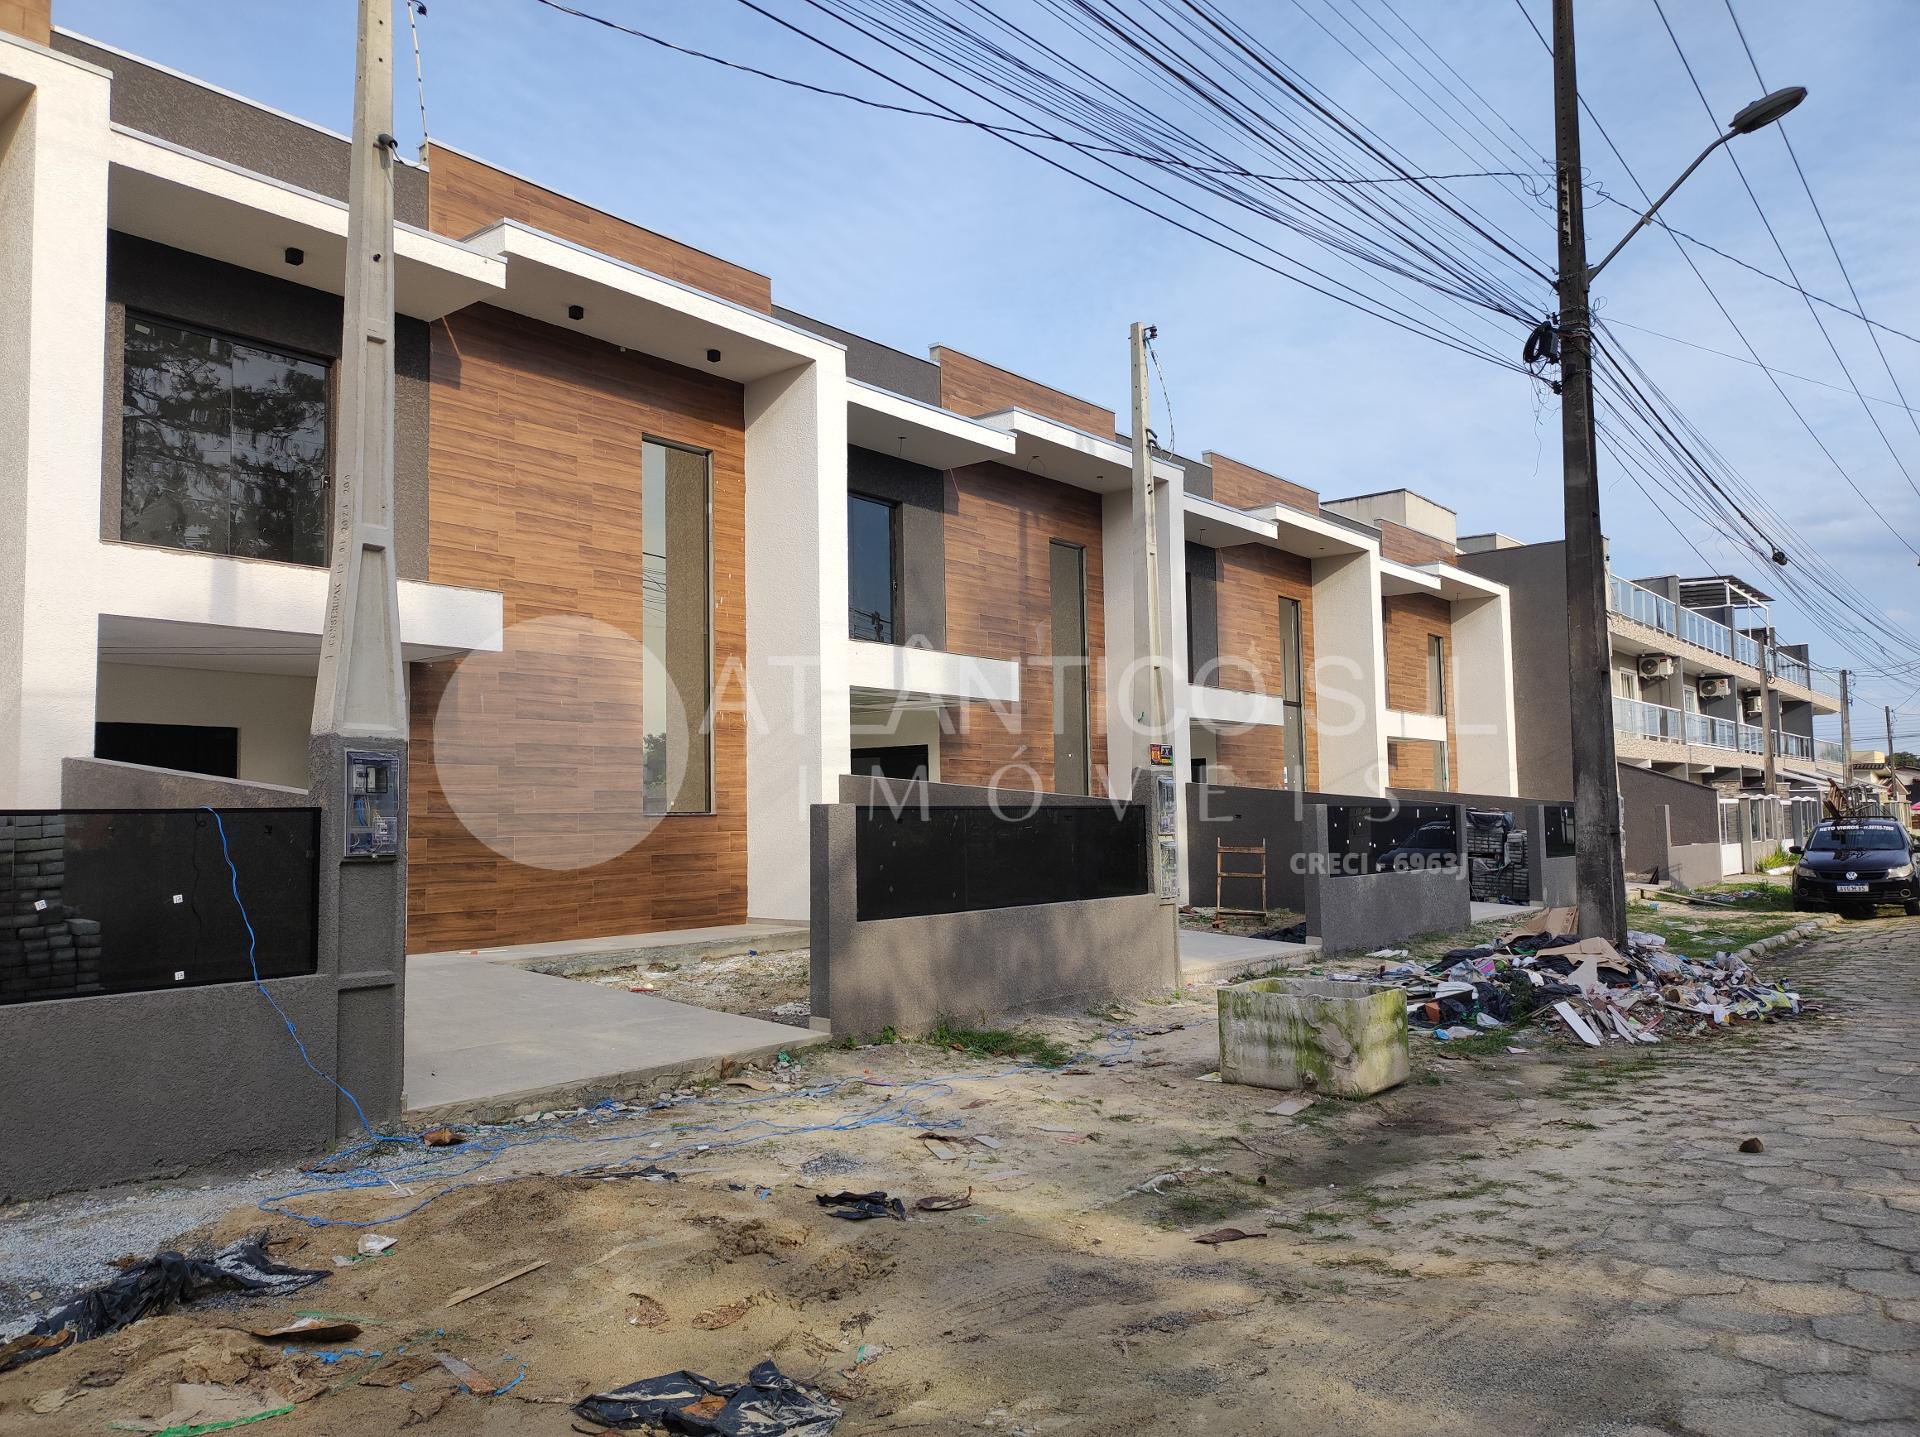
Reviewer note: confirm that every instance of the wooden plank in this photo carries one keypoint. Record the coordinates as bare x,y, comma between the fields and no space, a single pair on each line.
466,1294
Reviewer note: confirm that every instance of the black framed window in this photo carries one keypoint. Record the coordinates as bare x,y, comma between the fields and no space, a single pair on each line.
223,445
1293,688
873,569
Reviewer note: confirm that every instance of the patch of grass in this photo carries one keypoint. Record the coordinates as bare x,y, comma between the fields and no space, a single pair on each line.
1761,897
1371,1264
1701,932
1200,1202
1001,1043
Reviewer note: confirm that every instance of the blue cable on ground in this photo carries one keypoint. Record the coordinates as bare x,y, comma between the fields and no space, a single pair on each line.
254,964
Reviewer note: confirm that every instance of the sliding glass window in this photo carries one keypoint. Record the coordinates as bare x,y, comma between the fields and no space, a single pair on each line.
223,445
676,628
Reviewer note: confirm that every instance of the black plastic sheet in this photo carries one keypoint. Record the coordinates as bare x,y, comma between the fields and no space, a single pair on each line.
767,1404
162,1283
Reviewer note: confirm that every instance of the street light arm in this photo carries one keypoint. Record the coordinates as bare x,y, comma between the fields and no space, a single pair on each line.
1647,218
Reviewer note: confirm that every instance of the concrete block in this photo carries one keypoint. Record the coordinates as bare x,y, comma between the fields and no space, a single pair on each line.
1346,1039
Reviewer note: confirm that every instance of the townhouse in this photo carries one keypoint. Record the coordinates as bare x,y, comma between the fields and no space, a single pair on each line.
674,558
1701,680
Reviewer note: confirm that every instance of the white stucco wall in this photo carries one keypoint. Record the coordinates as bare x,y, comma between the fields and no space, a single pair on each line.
53,305
895,727
798,725
1350,674
1485,757
272,711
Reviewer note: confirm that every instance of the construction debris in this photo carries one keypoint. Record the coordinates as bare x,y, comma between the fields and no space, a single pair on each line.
466,1294
858,1207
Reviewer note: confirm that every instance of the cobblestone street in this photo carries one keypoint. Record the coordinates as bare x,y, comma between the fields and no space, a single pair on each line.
1779,1291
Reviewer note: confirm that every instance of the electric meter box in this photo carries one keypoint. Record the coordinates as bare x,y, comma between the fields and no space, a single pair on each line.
372,813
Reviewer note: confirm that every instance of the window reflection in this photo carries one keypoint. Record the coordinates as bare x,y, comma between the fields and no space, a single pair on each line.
223,445
675,629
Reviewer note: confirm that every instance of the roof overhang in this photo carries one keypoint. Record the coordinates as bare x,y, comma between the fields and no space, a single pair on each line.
1399,578
1458,584
205,206
890,423
633,308
1221,526
1049,449
905,676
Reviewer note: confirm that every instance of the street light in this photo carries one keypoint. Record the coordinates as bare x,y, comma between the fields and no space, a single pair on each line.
1599,864
1757,116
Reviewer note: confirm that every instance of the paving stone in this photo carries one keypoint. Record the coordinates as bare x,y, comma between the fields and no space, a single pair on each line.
1731,1242
1886,1284
1809,1299
1899,1368
1803,1229
1900,1239
1868,1332
1765,1205
1658,1332
1842,1256
1864,1216
1774,1269
1719,1314
1793,1352
1745,1417
1690,1283
1857,1399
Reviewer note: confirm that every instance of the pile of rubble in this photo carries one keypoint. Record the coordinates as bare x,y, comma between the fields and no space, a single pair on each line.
1546,972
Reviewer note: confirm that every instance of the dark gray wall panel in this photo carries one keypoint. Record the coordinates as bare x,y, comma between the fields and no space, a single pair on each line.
874,363
172,108
1203,608
921,494
192,289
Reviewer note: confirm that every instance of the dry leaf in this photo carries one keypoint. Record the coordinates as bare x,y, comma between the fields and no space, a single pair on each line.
715,1318
645,1311
1226,1234
949,1202
442,1138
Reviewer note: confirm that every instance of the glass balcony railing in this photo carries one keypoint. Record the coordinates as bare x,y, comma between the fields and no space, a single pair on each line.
1643,606
1711,732
1792,745
1827,751
1630,716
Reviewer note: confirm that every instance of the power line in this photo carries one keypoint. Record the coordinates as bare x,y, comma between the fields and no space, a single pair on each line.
1824,229
1780,249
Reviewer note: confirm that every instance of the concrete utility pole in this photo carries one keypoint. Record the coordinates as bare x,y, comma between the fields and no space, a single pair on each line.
1146,626
1768,778
1599,862
358,747
1846,733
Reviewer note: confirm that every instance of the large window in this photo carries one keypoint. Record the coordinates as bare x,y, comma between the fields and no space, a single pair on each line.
873,570
223,445
1293,735
676,628
1436,674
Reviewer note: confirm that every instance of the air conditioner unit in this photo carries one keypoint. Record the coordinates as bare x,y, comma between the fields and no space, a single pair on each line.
1656,666
1716,688
1750,705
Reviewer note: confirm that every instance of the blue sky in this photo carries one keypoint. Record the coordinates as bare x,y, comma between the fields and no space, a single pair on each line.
918,233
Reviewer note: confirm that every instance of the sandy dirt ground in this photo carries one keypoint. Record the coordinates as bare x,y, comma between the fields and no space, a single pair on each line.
1559,1240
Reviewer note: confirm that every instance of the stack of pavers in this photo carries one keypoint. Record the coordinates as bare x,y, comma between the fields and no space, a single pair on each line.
45,952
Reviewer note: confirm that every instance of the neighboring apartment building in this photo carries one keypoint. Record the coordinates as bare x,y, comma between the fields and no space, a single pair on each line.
1689,696
673,559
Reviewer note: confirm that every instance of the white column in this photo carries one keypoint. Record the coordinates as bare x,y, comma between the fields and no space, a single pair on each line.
1350,674
53,300
796,690
1481,691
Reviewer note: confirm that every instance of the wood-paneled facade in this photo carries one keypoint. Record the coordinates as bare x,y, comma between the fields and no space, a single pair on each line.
972,386
1252,581
1409,621
1000,524
1245,487
465,196
534,475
